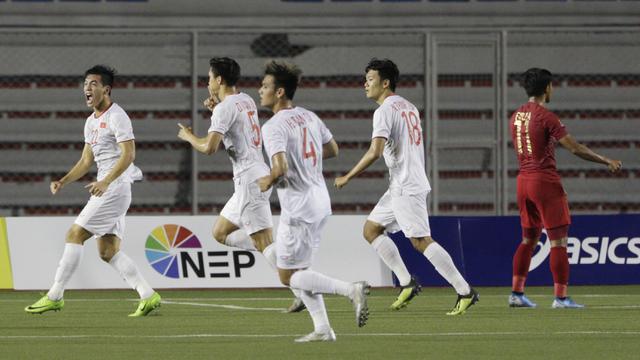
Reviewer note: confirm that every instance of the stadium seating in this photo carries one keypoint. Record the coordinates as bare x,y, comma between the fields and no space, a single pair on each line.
42,117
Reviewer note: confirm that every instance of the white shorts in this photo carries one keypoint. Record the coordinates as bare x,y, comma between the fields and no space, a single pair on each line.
403,212
249,208
296,241
105,214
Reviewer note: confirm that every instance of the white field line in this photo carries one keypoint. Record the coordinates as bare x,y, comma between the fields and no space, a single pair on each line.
236,307
430,334
232,307
424,294
164,300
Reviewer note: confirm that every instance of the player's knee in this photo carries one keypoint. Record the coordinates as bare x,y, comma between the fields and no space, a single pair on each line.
262,239
371,231
560,242
106,254
261,244
416,243
421,243
75,235
531,235
285,279
219,235
558,233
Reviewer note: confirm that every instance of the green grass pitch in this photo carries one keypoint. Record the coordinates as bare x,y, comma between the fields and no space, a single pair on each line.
249,324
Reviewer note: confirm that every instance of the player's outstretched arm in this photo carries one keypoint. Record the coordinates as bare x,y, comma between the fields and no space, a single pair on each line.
583,151
375,151
330,150
279,167
127,155
206,145
80,169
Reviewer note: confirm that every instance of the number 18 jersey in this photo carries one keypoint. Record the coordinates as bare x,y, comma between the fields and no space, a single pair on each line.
398,121
236,117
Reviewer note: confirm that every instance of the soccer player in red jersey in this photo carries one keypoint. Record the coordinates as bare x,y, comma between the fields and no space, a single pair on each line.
541,199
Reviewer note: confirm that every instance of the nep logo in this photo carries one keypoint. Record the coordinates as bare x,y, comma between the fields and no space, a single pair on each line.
162,248
175,252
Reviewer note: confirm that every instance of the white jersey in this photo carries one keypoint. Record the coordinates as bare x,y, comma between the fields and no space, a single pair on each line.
398,121
236,117
300,134
103,135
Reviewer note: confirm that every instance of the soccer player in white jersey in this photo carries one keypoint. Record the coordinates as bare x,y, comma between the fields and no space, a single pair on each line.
109,142
397,135
245,221
297,141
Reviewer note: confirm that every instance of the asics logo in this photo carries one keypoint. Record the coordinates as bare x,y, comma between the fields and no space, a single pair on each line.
622,250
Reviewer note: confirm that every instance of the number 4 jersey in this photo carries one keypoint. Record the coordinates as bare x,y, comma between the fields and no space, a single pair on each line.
535,131
236,117
398,121
300,134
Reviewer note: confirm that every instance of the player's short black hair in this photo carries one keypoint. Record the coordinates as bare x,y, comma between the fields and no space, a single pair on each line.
285,75
107,74
227,68
387,70
536,80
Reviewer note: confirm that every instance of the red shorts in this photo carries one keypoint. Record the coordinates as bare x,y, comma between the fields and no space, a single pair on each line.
542,203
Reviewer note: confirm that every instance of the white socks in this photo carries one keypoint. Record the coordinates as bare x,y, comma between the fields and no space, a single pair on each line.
68,264
317,310
122,263
128,270
308,285
388,252
444,265
270,255
240,239
298,292
314,282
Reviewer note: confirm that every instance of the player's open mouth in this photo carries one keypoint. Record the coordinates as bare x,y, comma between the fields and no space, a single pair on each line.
89,96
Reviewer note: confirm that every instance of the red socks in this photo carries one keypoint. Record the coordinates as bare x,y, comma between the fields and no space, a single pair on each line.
521,262
559,264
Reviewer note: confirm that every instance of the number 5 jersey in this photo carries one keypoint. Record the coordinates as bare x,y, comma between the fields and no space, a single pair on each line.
236,117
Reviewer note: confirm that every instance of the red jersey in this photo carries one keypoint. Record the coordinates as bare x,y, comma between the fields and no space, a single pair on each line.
535,132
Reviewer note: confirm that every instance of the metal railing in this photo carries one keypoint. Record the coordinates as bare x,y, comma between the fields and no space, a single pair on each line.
464,81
